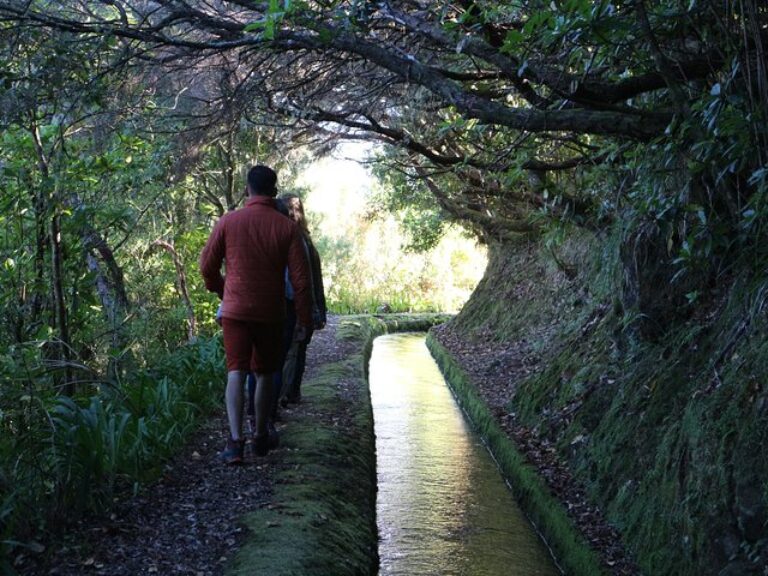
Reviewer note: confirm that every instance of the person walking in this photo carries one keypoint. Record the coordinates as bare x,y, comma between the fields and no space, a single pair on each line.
257,243
296,358
289,325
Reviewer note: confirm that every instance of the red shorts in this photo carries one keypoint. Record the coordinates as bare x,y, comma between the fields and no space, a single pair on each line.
254,346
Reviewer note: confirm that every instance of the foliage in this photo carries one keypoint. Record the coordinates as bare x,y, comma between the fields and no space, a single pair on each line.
411,202
68,456
525,114
366,261
635,129
498,107
666,435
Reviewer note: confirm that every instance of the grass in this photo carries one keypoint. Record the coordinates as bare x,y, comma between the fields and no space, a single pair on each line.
61,457
348,302
675,450
672,423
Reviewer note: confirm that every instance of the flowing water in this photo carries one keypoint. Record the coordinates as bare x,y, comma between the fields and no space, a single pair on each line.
443,508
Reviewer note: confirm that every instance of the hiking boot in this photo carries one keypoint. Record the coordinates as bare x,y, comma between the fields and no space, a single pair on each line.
273,440
251,424
261,445
233,452
269,441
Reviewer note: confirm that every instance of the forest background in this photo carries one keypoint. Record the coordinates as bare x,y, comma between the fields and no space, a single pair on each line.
610,156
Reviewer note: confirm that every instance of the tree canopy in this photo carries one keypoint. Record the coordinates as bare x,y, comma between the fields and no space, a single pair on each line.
486,103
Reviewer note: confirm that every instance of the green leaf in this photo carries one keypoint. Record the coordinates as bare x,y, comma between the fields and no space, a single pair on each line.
269,30
512,40
255,25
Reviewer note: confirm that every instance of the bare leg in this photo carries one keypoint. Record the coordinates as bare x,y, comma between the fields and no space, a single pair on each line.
263,402
234,399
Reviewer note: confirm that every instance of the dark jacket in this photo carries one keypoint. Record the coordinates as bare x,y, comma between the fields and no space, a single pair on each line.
257,243
319,311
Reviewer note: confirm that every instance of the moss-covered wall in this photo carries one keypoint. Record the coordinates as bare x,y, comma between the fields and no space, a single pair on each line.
670,435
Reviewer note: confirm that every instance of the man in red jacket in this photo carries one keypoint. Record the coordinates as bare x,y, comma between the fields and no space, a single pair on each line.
257,243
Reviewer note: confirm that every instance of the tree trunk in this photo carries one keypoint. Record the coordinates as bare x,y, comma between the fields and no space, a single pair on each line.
181,286
41,247
229,171
60,321
60,305
110,286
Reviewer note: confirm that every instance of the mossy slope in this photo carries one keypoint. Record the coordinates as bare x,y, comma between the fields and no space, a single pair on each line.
668,433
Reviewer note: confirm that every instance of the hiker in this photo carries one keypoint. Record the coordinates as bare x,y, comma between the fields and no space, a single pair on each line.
277,378
296,358
288,340
257,243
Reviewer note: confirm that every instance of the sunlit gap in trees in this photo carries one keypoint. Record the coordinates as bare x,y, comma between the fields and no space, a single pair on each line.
366,264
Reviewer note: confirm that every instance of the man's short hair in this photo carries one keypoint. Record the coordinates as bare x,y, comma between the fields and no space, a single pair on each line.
262,181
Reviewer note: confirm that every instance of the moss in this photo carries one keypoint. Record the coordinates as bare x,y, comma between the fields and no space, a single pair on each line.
675,428
501,304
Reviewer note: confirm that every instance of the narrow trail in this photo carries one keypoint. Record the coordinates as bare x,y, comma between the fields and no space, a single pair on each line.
187,522
184,523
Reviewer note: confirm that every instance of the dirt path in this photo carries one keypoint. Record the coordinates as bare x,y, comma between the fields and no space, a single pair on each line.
188,522
185,523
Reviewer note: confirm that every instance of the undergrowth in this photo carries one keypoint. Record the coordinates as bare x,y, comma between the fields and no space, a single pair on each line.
352,301
63,457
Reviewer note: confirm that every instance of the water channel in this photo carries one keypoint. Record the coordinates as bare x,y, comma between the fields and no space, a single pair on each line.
443,508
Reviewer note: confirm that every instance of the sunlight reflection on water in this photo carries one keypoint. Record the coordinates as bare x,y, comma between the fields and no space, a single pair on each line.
442,508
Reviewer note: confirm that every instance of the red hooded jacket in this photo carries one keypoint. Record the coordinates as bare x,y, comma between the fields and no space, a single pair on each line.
257,243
